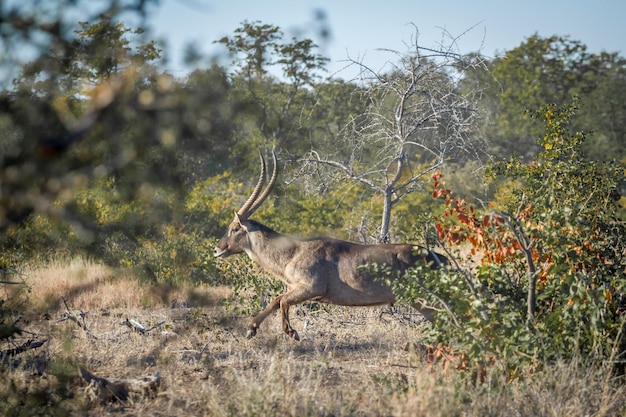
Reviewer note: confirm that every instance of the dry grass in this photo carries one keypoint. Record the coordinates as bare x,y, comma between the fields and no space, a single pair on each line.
91,286
351,361
83,283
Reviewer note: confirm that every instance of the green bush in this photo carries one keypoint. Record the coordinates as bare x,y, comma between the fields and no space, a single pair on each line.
552,273
253,288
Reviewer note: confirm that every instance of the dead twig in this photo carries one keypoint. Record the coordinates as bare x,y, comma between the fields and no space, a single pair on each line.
78,319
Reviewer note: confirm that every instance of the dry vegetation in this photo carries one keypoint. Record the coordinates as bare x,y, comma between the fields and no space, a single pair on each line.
357,361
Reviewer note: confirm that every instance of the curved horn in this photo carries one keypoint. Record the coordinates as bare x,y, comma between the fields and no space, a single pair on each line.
245,209
268,187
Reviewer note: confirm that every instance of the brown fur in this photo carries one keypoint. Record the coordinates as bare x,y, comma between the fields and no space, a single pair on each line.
322,269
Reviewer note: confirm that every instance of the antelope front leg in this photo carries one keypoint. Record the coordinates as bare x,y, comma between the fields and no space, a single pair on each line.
258,319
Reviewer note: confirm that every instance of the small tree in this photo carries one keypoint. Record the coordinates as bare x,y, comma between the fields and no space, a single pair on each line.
260,56
417,120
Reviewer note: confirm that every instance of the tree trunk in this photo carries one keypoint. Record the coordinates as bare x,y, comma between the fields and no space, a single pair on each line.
383,236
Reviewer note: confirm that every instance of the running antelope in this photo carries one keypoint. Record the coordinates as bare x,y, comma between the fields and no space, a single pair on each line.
319,269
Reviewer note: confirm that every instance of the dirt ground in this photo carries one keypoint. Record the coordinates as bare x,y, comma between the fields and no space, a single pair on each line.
193,356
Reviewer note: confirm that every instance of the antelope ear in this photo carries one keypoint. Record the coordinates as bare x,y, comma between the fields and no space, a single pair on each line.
242,221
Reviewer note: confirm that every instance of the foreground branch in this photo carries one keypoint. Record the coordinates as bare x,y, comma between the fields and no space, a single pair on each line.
526,245
28,345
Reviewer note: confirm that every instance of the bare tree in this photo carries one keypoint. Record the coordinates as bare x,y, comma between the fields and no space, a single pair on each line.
417,119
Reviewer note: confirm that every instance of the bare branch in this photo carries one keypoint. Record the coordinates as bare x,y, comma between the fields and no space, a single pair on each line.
342,168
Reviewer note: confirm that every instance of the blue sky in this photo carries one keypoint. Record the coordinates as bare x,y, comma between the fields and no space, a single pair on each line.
359,28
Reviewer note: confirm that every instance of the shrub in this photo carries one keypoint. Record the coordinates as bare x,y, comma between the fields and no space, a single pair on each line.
552,273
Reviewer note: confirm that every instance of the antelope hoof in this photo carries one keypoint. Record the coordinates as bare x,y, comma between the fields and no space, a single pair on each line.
295,335
251,333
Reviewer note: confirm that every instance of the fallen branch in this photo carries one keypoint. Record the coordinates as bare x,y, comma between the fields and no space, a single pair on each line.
140,328
116,389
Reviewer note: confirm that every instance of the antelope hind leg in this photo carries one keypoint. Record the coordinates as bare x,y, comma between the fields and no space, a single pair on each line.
259,318
293,297
286,325
425,311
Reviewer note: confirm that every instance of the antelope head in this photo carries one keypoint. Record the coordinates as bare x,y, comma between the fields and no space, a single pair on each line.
236,240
